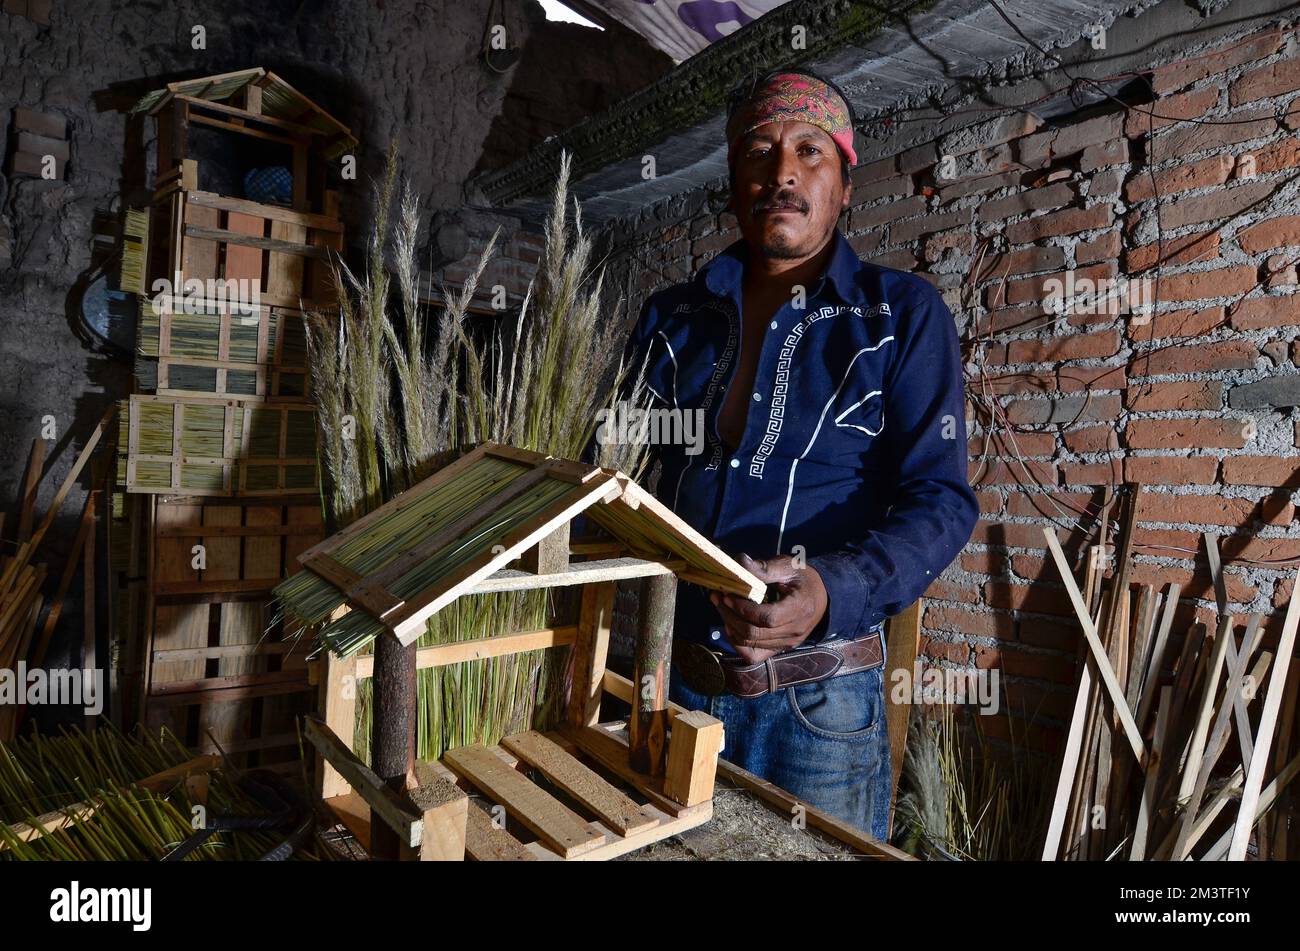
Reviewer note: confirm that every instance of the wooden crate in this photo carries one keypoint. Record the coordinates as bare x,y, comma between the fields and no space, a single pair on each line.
210,347
213,662
266,449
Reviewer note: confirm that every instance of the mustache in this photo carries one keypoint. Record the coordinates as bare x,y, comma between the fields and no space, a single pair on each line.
781,200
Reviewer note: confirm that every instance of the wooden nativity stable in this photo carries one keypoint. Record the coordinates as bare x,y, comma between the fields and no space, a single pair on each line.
498,519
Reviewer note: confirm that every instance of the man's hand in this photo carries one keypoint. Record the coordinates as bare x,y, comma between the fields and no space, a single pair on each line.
757,631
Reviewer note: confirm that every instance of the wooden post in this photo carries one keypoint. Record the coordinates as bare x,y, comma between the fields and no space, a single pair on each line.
392,736
595,616
648,725
693,758
339,707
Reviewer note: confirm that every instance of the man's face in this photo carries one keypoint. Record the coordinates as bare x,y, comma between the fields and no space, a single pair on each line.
788,189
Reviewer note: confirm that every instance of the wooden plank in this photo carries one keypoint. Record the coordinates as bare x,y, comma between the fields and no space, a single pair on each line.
445,811
582,573
397,810
273,212
1104,668
615,808
693,748
440,655
256,241
540,812
408,623
339,706
621,687
591,646
1147,806
31,485
1250,796
902,642
484,840
222,124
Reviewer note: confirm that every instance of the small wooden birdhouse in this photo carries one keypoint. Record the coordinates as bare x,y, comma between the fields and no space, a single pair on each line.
498,519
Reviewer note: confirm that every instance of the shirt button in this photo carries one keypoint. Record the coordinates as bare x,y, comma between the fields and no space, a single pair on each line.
757,398
735,463
774,325
716,635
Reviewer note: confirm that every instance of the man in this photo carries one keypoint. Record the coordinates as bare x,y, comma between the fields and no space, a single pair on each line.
834,464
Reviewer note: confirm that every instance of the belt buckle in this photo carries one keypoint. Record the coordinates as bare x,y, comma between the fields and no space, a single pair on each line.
701,668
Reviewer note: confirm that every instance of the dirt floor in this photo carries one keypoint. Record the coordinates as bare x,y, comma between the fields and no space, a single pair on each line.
744,828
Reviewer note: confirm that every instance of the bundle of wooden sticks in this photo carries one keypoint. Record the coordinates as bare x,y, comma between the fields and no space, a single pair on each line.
1170,746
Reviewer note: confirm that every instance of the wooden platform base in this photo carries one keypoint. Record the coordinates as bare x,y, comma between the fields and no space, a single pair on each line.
565,795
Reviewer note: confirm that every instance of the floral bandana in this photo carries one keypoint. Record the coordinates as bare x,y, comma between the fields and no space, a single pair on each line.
794,97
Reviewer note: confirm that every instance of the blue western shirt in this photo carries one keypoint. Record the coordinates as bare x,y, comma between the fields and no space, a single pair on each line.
854,447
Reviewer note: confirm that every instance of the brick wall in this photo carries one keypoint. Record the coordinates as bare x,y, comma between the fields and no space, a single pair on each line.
1194,190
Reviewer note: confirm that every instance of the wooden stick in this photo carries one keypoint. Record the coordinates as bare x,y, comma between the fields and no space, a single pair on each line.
1104,669
31,485
65,581
1267,722
1147,806
648,725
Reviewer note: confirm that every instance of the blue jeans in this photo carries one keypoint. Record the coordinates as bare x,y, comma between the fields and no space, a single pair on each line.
824,742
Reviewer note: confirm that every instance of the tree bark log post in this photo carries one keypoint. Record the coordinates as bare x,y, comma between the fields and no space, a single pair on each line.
392,732
648,725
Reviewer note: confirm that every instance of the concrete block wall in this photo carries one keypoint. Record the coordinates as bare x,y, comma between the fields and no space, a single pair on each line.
1194,191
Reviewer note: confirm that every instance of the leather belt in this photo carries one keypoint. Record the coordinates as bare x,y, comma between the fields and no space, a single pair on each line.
711,672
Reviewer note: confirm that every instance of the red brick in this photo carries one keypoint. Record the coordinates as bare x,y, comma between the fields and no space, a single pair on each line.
873,171
1024,261
901,232
1274,233
1096,407
941,590
1195,584
1104,154
1259,312
1215,509
1275,471
861,219
1187,433
936,244
1074,347
975,186
1001,472
1056,223
1198,358
1050,667
1276,157
1267,81
900,260
1252,123
1216,206
1092,439
990,502
1032,199
958,652
1037,598
864,245
1177,75
1030,568
714,242
1010,319
1168,110
1039,149
1211,171
1073,378
1105,184
1000,444
1010,534
942,617
1179,323
1091,473
988,562
1036,289
899,186
1171,470
1184,394
1200,285
1032,701
1022,382
1103,248
1181,250
1039,504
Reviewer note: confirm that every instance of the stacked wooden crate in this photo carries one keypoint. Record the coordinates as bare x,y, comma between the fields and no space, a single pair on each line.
217,456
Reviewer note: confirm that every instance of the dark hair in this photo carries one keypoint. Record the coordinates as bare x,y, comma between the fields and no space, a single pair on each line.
743,90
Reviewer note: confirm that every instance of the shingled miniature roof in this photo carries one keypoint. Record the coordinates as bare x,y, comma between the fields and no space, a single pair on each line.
455,533
280,103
